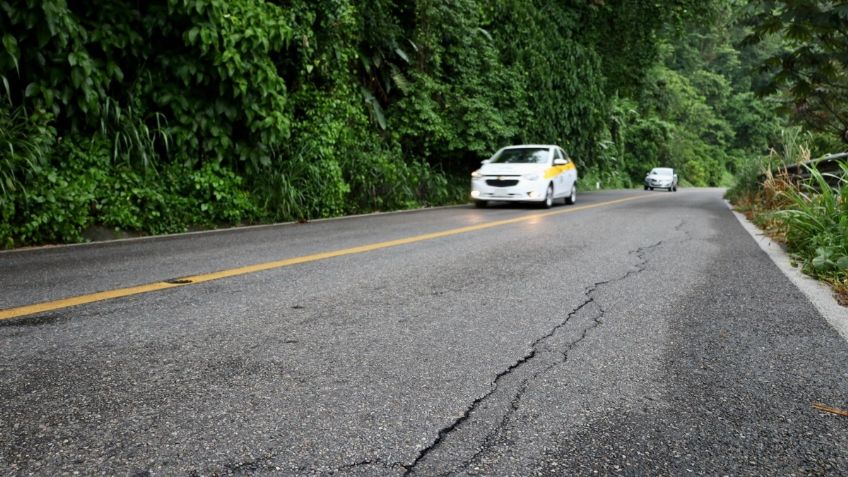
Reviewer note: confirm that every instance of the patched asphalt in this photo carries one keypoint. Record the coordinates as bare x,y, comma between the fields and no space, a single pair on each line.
647,337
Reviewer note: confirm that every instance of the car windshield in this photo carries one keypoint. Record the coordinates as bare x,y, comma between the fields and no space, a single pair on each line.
662,171
524,155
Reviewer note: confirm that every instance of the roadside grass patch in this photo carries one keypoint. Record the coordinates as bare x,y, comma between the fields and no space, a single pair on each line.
809,216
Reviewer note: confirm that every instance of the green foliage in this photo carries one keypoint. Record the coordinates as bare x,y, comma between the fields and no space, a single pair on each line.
57,204
810,216
136,141
812,69
816,223
565,99
26,141
62,199
627,34
647,145
161,116
304,188
695,111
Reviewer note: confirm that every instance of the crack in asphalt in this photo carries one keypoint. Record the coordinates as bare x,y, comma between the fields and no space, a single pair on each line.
488,440
596,322
370,462
514,404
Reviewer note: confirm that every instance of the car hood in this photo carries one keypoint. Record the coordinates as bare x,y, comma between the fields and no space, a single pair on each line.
659,177
510,169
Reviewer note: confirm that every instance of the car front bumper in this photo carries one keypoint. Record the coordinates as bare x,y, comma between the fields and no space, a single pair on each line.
659,185
522,191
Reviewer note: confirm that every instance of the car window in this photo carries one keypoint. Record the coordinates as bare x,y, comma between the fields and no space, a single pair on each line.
521,155
558,154
662,171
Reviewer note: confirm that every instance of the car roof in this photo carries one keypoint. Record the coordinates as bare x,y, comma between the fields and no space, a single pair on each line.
538,146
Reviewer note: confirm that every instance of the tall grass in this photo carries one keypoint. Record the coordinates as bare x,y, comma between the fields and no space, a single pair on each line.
810,216
816,223
26,141
136,141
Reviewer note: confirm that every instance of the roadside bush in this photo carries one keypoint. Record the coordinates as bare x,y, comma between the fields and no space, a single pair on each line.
379,180
810,217
58,203
215,195
816,224
747,184
301,189
26,141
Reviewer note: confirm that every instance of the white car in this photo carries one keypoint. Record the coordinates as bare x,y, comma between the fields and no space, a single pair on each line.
528,173
661,178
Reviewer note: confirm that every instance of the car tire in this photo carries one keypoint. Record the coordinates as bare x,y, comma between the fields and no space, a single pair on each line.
671,189
571,199
549,198
675,188
651,188
481,204
646,187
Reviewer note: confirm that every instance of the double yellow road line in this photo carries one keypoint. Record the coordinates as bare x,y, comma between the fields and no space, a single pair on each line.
53,305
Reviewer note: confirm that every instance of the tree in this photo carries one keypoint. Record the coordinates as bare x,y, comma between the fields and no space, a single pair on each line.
811,72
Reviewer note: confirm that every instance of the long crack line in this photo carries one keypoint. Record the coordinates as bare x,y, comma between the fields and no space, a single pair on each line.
525,384
514,403
476,403
444,432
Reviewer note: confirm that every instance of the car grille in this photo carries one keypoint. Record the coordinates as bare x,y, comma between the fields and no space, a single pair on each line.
502,182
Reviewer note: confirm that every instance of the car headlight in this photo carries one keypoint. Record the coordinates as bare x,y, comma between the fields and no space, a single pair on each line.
531,177
477,175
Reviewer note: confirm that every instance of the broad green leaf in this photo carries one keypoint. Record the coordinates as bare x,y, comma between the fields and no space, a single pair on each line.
31,90
10,44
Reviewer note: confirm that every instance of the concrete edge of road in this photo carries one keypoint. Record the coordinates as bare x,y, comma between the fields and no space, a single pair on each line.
819,294
221,230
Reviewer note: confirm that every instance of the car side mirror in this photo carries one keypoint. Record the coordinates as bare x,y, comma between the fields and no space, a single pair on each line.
484,162
560,162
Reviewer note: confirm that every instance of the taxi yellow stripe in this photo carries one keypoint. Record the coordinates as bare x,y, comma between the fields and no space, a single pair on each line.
63,303
554,171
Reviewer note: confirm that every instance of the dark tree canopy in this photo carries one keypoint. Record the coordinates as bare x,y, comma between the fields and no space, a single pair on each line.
811,69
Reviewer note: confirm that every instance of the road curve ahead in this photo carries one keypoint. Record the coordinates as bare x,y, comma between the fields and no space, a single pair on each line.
638,333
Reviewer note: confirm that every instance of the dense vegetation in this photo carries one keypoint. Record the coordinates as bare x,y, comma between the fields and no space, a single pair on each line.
804,73
171,114
809,215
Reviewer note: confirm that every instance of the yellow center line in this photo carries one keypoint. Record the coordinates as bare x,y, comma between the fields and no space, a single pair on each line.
259,267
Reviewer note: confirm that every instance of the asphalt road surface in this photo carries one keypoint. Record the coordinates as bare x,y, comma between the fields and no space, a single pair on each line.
646,334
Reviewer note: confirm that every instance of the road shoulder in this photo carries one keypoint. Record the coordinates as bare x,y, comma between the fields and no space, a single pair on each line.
819,294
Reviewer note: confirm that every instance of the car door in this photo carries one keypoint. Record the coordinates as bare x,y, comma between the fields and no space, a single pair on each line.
569,177
559,180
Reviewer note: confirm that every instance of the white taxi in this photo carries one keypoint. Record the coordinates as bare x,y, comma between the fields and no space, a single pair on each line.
527,173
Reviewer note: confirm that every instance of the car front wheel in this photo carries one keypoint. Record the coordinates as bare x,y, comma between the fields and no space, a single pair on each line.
549,198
